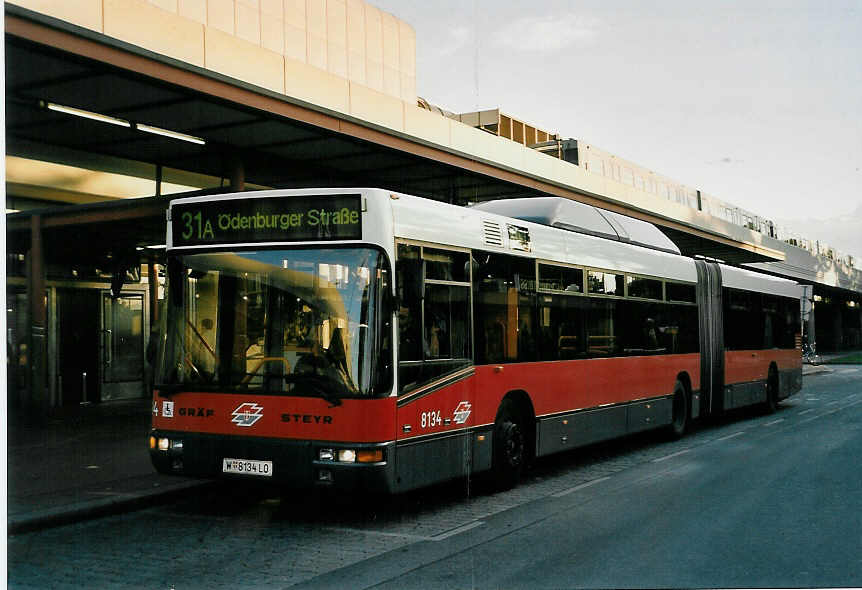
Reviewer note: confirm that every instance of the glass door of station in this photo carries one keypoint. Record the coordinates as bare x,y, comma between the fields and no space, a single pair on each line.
122,346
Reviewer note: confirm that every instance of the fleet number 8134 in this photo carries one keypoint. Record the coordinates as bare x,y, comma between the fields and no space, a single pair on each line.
431,419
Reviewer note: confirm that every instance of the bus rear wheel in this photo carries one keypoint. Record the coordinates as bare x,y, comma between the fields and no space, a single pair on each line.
771,404
681,412
510,449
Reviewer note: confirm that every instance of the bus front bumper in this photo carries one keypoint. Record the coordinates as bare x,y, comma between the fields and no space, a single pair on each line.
283,462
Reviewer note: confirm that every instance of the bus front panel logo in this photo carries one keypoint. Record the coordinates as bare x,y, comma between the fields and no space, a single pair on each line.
247,414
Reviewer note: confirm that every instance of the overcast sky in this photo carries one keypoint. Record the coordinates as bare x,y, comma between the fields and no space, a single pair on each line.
755,102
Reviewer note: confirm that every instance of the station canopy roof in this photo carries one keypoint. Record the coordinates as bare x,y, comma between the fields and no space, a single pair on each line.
280,142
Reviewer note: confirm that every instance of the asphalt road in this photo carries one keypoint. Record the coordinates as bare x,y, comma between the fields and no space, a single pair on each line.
752,500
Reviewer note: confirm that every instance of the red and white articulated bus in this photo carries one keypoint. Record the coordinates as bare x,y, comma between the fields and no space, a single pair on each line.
366,339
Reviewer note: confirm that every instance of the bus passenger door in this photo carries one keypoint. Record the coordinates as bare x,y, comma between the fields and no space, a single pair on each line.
435,366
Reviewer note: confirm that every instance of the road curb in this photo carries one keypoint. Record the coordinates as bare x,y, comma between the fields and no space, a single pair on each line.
96,508
808,370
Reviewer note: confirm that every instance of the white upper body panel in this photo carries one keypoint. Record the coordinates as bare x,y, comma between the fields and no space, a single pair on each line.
387,215
430,221
739,278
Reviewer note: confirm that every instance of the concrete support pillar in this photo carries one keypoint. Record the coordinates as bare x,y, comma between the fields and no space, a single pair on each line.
808,314
36,404
153,283
158,180
237,174
151,350
837,327
810,328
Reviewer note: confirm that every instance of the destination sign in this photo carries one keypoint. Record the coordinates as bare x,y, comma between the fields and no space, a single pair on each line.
267,219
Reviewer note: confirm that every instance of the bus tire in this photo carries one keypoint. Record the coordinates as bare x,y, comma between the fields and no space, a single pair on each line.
771,404
510,448
681,412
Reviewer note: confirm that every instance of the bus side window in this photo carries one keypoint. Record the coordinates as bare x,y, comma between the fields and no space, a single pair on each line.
743,321
433,313
504,296
409,277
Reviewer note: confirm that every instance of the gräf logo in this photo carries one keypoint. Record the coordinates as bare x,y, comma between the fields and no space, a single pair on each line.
246,414
197,412
461,413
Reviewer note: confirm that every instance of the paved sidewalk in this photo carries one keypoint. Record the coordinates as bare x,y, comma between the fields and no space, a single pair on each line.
814,369
84,462
825,358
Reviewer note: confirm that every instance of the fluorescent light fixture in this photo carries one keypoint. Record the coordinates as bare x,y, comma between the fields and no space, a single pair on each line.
86,114
51,106
169,133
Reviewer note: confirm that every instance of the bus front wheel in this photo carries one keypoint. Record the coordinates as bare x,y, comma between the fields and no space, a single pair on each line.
510,449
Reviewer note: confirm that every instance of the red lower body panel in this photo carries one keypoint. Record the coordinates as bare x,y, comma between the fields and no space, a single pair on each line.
553,387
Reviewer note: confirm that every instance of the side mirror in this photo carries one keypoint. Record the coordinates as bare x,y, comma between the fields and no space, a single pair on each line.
117,279
175,281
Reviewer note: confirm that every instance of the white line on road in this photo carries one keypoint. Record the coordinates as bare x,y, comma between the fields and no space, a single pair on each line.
457,531
834,403
835,411
113,494
730,436
379,533
671,456
579,487
774,422
806,411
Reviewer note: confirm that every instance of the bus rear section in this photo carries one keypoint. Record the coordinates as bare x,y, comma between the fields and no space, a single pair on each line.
750,326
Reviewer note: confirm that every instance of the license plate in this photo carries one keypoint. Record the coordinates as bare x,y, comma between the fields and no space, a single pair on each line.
247,467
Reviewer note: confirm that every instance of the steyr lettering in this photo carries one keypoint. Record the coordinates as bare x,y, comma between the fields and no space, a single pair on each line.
306,418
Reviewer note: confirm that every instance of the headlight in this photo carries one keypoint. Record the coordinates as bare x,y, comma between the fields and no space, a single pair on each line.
164,444
347,455
350,455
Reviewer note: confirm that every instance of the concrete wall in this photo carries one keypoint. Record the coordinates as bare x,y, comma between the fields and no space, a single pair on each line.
280,45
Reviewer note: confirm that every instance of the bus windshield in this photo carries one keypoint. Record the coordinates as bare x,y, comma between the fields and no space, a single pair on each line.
300,322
